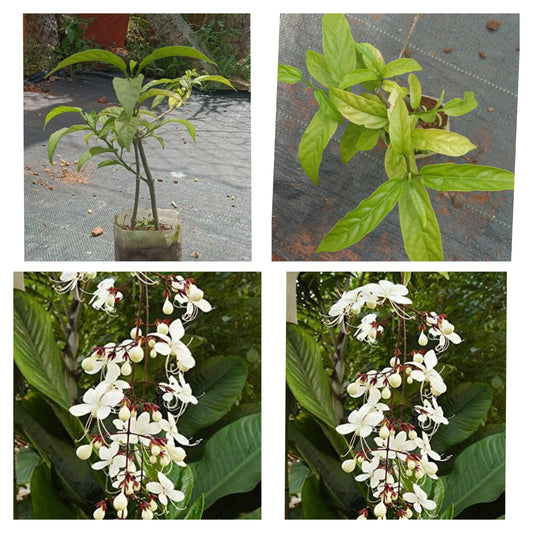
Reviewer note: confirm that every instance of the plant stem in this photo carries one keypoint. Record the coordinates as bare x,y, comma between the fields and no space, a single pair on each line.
408,36
150,183
133,222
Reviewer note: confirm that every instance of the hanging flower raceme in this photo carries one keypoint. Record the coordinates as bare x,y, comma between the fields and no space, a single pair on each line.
126,435
390,444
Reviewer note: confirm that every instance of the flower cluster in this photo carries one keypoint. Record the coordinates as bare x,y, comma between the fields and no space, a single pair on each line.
390,447
134,440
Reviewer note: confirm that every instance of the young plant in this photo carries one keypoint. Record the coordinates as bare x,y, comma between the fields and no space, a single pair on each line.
384,109
116,129
129,436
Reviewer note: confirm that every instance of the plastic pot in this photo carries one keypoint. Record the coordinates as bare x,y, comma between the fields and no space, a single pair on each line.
148,244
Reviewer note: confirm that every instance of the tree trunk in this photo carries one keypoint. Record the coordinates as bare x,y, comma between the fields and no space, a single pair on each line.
42,29
172,30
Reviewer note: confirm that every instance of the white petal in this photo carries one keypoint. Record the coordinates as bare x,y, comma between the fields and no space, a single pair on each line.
176,330
344,429
80,409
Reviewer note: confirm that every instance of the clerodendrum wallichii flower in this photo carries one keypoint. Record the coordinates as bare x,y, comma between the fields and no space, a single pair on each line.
390,444
126,435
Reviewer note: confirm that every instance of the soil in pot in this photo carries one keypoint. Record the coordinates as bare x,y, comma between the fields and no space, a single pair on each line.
146,243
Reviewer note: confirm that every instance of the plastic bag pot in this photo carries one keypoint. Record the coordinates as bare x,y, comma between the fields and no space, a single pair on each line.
148,244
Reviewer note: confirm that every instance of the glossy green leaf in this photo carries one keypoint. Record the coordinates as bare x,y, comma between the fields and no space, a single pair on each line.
359,110
368,139
57,135
173,51
183,479
25,463
196,509
219,381
128,92
314,140
327,106
415,91
317,67
313,505
338,46
448,513
372,57
348,145
126,127
478,474
231,462
395,165
216,78
399,67
36,353
453,177
420,229
288,74
363,219
458,107
466,407
306,377
103,56
400,128
441,142
356,77
45,502
59,110
91,152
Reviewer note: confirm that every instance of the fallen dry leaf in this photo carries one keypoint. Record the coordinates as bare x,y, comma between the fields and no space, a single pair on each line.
97,231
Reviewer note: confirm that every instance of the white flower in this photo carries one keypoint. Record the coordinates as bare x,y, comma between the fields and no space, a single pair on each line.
431,413
171,429
386,290
368,329
172,345
106,296
111,378
397,445
419,499
175,392
350,303
361,422
190,296
426,373
425,447
442,330
371,471
165,489
140,428
98,402
176,453
69,281
110,459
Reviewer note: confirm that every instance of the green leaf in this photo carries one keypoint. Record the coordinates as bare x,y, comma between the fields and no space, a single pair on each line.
327,106
399,67
440,141
448,513
190,128
363,219
173,51
415,91
215,77
314,140
356,77
128,92
318,68
466,408
478,474
126,127
102,56
59,110
306,377
458,107
196,510
368,139
219,381
372,57
252,515
313,505
420,229
395,165
358,109
46,504
183,480
288,74
453,177
338,46
26,462
36,353
108,163
400,128
91,152
231,462
57,135
348,145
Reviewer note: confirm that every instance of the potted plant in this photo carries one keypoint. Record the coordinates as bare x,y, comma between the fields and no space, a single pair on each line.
384,109
118,133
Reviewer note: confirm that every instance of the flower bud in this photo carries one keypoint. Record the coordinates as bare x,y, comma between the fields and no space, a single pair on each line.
422,339
384,432
371,304
409,380
153,506
122,514
164,460
353,388
84,452
135,332
120,502
155,449
412,434
408,513
147,514
418,358
380,510
90,275
162,328
349,465
395,380
136,353
157,416
411,465
125,369
446,327
153,353
124,413
88,364
152,343
99,513
419,473
385,393
168,308
153,459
